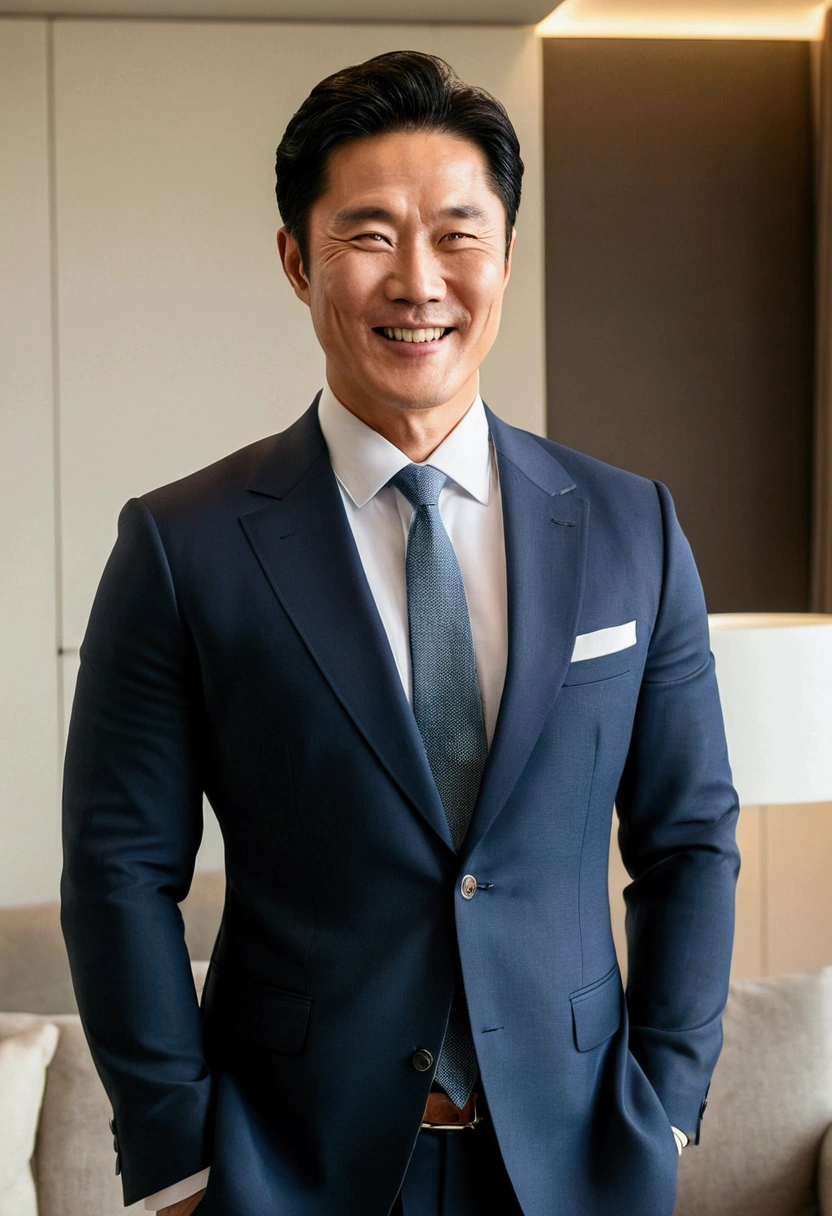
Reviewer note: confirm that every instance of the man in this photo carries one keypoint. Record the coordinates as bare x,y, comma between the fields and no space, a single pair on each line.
413,656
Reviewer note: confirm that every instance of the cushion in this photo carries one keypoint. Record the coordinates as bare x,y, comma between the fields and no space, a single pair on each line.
24,1057
74,1161
770,1103
199,970
34,971
202,911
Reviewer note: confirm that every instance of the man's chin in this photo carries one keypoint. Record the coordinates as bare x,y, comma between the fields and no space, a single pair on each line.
399,398
423,393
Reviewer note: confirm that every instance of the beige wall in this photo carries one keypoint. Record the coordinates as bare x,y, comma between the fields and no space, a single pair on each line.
175,339
29,717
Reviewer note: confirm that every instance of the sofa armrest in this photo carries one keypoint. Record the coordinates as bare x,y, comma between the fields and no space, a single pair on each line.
825,1174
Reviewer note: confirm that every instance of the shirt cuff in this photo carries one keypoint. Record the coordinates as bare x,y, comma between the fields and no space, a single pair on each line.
177,1192
681,1139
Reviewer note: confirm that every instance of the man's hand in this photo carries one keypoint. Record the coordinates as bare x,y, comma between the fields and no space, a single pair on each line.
184,1207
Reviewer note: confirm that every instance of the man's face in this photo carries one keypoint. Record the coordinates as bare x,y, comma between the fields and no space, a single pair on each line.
406,271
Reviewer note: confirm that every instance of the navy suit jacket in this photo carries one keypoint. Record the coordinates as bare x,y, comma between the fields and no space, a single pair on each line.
234,648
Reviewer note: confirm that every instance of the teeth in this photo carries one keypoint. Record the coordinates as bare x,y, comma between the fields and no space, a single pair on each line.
413,335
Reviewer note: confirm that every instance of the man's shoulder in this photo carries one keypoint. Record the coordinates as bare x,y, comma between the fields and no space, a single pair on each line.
584,473
222,481
226,485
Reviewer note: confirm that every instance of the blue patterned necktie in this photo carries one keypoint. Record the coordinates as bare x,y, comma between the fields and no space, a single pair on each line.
447,707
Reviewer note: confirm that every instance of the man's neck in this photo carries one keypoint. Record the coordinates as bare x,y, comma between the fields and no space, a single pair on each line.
415,431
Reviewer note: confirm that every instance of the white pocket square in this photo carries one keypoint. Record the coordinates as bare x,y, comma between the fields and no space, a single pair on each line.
604,641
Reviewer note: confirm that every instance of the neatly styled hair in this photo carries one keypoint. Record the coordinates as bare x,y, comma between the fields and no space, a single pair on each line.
398,91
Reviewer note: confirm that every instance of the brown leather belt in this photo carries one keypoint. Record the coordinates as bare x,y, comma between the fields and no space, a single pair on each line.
442,1116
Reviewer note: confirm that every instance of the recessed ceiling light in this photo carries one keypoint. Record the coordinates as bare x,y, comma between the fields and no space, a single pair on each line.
646,19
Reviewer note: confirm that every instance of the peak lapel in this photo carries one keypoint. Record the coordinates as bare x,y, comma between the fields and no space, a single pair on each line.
304,544
545,534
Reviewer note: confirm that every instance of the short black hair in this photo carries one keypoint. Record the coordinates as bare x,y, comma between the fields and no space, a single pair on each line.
397,91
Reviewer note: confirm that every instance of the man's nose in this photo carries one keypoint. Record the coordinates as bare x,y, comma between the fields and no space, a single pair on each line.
417,276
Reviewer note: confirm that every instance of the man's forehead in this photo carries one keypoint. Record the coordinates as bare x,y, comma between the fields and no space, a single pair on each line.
351,214
371,177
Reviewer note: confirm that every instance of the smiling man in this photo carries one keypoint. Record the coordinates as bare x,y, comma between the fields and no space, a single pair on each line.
412,656
409,253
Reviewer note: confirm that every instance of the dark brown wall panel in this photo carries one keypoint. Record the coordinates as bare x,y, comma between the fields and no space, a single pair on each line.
680,289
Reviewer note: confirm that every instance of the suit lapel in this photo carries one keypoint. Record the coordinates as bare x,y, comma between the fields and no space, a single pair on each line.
305,547
545,534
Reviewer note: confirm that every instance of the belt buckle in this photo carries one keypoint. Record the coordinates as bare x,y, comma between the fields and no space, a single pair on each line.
476,1118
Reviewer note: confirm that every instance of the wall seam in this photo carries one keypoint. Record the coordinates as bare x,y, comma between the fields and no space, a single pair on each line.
56,377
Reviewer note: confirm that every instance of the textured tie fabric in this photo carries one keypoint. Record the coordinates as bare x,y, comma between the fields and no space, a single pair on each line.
447,707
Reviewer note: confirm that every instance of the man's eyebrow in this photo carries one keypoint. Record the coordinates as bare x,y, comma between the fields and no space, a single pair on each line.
464,211
356,215
348,216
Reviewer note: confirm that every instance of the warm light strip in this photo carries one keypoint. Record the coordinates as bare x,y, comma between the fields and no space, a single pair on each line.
582,19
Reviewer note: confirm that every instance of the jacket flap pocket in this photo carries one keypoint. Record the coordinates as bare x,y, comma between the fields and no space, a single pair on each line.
596,1011
255,1013
588,671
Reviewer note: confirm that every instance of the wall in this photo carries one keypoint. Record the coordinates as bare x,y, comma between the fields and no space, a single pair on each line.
680,289
140,224
680,345
29,672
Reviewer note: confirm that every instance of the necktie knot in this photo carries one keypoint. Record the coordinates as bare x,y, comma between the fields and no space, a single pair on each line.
421,484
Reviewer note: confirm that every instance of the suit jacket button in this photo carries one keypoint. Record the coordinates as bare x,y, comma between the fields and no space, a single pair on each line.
422,1060
468,886
118,1165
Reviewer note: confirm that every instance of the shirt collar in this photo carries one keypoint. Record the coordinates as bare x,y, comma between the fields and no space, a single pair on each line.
364,461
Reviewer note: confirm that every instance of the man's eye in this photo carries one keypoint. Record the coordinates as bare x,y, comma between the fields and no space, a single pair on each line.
370,236
456,237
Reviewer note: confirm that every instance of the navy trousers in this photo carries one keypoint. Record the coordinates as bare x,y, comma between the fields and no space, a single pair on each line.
457,1173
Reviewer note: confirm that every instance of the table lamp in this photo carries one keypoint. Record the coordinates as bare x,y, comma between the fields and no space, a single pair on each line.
775,681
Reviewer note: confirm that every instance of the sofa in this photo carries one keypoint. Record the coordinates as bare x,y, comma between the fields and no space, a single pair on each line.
767,1137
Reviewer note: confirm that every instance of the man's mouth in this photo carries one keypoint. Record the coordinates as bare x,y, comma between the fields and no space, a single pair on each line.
429,334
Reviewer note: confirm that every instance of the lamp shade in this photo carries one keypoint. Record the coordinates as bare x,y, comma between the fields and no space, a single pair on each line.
775,682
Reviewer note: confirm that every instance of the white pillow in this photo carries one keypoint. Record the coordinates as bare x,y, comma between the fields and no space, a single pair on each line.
24,1058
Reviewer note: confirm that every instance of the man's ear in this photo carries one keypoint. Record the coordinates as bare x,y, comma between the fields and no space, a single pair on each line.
509,256
292,264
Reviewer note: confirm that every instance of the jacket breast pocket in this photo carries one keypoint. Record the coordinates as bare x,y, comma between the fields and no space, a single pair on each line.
605,667
596,1010
255,1013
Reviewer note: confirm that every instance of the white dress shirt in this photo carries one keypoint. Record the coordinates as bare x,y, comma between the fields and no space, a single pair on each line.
471,508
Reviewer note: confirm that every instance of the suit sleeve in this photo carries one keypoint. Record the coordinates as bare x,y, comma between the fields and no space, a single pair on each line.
678,810
132,826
